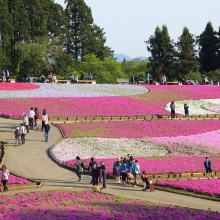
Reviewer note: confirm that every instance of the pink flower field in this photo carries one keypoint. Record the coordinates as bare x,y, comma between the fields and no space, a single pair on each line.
15,179
161,165
85,205
204,186
138,129
150,103
18,86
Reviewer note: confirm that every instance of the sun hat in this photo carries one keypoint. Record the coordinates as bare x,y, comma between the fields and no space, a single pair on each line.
17,128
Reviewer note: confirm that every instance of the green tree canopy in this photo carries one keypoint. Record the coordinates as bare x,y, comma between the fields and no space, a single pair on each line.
208,49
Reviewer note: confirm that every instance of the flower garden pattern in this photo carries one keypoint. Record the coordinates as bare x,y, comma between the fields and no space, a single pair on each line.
85,104
9,87
87,205
204,186
15,180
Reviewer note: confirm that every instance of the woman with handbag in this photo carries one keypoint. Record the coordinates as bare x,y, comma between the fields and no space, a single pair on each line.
5,174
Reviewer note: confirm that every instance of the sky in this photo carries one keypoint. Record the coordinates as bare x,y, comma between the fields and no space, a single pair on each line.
128,23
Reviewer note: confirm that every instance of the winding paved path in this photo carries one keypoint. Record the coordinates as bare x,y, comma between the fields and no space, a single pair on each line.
32,161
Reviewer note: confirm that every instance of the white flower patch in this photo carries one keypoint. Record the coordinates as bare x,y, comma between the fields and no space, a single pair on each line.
47,90
196,107
86,148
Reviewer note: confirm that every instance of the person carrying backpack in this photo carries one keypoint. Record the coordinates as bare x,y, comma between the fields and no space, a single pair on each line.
135,170
17,136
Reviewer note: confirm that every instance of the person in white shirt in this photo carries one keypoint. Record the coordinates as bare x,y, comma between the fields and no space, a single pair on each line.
23,132
26,122
164,80
31,118
54,78
5,174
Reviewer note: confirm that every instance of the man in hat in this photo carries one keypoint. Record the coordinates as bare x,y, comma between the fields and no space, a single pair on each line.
17,136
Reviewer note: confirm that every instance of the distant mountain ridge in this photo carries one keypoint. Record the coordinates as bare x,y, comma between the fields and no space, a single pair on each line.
121,57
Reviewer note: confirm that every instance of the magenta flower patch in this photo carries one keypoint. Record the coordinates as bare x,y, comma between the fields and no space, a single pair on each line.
204,186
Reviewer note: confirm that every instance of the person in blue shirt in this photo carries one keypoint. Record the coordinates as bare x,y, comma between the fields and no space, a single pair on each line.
207,164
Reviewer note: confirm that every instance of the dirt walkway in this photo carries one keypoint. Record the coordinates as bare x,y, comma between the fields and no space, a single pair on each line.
32,161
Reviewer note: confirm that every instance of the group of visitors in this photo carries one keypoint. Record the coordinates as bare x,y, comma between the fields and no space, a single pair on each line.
52,78
162,80
149,79
89,76
135,80
172,108
206,81
98,171
5,76
26,78
74,79
29,121
126,169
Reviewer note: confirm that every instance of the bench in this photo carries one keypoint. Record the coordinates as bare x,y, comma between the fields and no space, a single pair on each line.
122,81
59,81
69,82
87,81
173,83
10,80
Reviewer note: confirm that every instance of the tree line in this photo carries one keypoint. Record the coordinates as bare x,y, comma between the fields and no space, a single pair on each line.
41,36
190,56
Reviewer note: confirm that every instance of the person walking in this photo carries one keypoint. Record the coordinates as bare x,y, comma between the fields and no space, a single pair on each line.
123,170
17,136
26,122
44,118
31,118
130,162
92,162
36,117
47,131
5,175
95,175
172,107
3,76
23,133
135,170
7,75
116,167
208,168
79,167
186,109
103,172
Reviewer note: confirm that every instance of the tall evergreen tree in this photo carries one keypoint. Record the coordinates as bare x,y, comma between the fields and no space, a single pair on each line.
96,43
56,21
186,53
80,21
161,48
208,49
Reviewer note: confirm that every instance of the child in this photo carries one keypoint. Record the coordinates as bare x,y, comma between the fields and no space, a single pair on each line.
17,136
146,184
129,177
151,185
